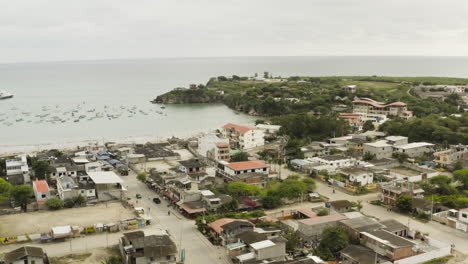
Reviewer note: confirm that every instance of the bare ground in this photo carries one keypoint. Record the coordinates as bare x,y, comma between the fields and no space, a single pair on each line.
43,221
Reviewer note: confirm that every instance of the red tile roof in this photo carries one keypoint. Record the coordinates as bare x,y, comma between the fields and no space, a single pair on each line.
246,165
222,144
239,128
217,225
376,104
41,186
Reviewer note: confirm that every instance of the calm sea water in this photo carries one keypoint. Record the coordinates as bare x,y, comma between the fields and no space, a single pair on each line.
70,101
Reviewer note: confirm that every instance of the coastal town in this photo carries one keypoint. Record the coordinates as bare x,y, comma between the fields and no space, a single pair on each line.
354,180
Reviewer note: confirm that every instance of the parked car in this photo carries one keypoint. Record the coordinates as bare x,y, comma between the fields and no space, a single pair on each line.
138,196
156,200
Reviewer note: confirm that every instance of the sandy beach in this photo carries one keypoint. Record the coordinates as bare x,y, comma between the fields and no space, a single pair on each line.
10,150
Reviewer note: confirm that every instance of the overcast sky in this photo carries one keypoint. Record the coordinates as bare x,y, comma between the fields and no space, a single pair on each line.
48,30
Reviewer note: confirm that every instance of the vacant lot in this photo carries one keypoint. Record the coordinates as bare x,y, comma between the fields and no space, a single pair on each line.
43,221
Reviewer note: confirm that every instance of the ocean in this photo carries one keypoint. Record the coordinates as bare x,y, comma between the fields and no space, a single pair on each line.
109,100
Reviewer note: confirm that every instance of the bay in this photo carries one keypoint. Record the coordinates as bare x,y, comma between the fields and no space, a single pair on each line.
74,95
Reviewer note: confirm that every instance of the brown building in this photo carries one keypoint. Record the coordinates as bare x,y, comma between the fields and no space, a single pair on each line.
388,244
392,191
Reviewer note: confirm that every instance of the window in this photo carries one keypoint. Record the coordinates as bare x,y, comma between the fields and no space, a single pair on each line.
43,195
464,215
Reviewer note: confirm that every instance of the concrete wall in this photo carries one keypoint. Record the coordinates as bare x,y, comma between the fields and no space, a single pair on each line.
273,252
442,251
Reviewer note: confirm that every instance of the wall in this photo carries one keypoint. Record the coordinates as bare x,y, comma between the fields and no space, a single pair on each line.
442,251
273,252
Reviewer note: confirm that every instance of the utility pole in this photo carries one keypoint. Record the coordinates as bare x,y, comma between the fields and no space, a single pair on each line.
432,206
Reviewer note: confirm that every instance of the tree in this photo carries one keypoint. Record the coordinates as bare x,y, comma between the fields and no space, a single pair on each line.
21,195
311,185
323,212
293,240
80,200
141,176
401,157
41,168
5,188
242,189
271,201
368,156
358,205
462,177
292,188
333,240
404,203
55,203
240,156
68,203
368,125
458,165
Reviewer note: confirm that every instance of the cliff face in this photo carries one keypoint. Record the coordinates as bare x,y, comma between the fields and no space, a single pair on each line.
189,96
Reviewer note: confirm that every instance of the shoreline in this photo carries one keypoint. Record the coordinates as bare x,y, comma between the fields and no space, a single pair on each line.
10,150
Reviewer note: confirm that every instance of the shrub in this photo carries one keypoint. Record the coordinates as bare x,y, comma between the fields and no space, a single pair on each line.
55,203
69,203
141,177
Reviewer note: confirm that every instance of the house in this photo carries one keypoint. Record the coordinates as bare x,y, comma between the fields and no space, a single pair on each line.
270,131
67,170
69,188
357,175
41,191
388,244
93,166
213,147
333,162
229,170
342,206
397,140
227,229
17,170
381,149
394,109
25,255
355,254
108,185
395,227
155,151
393,190
136,247
267,250
415,149
450,156
349,88
221,151
314,150
355,226
311,228
191,166
243,137
252,178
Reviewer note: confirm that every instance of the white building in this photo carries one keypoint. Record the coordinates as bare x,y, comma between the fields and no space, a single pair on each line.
18,168
360,176
41,191
381,149
335,162
269,130
69,188
207,145
243,137
108,185
26,254
93,166
236,168
415,149
396,140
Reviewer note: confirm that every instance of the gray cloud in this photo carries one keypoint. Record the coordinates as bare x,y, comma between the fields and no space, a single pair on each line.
32,30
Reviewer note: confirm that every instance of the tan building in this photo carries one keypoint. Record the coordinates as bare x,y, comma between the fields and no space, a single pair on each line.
451,155
369,106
